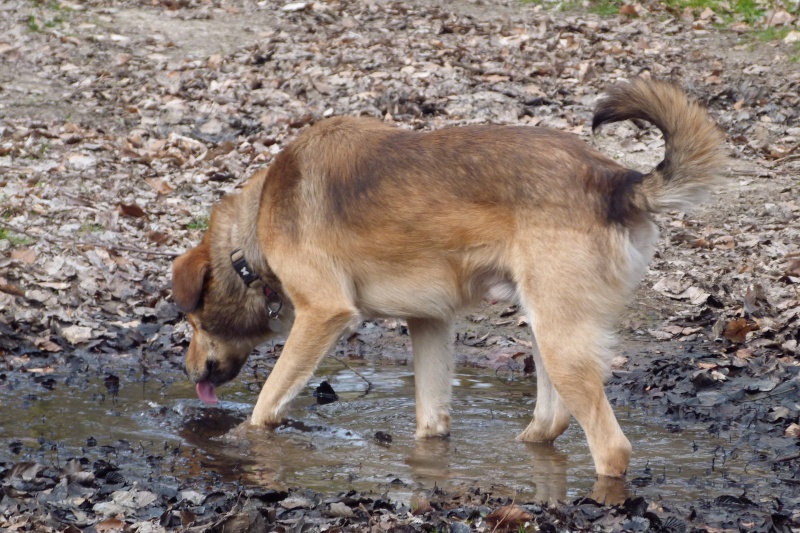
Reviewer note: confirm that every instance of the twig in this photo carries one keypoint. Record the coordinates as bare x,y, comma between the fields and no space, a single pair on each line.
58,240
357,373
792,157
785,459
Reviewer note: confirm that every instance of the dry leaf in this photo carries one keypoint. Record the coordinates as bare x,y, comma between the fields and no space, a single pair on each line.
737,330
47,345
726,242
26,255
158,237
11,289
110,525
707,14
780,17
509,517
158,185
341,510
422,506
77,334
132,210
793,430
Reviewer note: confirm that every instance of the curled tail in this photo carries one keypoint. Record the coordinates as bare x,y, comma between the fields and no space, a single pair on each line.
694,158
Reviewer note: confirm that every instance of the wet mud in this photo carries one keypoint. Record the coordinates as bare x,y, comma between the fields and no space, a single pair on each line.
82,443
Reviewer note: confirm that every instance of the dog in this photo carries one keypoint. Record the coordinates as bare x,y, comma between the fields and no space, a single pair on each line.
358,219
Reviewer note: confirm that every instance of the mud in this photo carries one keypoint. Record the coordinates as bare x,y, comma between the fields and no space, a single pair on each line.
703,455
122,124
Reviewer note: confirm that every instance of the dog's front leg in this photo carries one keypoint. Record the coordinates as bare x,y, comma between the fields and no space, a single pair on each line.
432,342
314,333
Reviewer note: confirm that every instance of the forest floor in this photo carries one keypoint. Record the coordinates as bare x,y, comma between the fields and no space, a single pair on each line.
122,123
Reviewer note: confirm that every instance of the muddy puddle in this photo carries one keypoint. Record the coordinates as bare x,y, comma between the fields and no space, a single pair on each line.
158,427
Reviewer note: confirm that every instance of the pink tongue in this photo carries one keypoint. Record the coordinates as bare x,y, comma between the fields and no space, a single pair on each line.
205,391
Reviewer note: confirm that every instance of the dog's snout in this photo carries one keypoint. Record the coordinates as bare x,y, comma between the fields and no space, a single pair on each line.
211,366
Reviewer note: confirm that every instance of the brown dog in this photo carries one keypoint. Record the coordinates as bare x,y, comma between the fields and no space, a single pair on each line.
358,219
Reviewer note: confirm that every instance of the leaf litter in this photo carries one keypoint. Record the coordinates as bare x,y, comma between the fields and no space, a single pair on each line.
122,123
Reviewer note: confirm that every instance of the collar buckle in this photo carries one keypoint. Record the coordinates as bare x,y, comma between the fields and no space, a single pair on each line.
241,267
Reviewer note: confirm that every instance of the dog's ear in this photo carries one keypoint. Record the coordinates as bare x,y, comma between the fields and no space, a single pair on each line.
188,276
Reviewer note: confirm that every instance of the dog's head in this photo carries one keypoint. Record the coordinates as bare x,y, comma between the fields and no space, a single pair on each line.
229,318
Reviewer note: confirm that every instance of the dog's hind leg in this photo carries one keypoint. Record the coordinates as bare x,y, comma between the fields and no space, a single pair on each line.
432,342
575,296
550,416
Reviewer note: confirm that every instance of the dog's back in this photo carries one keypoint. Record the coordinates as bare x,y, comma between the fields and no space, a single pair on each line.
358,219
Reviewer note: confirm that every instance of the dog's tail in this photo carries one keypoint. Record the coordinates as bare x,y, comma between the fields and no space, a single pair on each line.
694,158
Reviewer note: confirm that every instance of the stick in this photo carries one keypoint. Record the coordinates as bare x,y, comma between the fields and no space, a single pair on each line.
356,372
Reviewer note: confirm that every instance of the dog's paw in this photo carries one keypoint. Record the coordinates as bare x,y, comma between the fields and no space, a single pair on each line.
246,432
609,490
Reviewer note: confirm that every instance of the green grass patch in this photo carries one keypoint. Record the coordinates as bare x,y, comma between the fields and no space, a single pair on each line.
33,24
47,15
605,8
13,238
198,224
92,228
750,11
795,56
55,21
772,34
746,10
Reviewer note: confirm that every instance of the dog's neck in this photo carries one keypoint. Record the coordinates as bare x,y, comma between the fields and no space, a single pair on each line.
244,230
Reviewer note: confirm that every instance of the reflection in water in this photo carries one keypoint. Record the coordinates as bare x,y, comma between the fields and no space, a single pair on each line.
430,460
334,447
549,472
609,490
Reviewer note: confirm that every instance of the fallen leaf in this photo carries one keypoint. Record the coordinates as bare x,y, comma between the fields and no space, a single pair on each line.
726,242
793,431
47,345
132,210
737,330
11,289
77,334
158,237
509,517
110,525
158,185
423,506
26,255
341,510
295,6
780,17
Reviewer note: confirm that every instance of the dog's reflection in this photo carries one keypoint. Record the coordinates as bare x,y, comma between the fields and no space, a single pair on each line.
431,458
235,450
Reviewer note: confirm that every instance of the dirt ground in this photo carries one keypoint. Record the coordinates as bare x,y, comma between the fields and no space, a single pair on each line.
121,123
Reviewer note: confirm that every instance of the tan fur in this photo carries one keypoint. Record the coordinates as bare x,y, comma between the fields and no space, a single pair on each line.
356,219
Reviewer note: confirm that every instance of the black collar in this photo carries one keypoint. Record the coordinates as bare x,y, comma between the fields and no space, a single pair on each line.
249,276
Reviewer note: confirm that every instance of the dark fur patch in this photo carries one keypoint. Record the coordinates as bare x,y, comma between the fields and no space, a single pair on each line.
443,166
232,318
620,199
